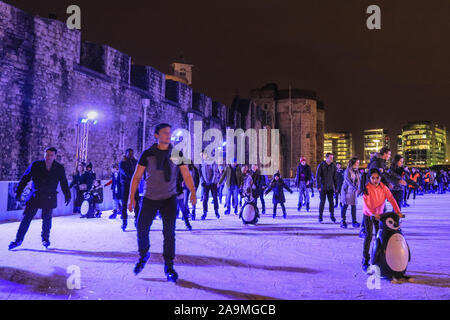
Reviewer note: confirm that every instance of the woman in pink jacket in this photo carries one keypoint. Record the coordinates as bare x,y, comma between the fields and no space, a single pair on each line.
374,202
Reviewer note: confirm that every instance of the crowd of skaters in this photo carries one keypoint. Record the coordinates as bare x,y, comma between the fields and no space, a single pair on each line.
154,185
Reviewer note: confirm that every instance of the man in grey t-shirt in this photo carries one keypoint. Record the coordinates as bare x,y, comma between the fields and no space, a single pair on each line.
160,195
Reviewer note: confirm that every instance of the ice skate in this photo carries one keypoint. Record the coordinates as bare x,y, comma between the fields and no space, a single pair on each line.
171,274
46,243
141,263
14,245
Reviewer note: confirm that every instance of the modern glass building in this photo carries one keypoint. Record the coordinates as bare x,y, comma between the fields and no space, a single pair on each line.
374,140
399,144
340,144
424,144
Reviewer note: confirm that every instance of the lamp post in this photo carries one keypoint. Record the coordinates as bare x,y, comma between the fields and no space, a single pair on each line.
83,127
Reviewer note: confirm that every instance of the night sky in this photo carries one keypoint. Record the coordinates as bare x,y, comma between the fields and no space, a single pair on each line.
367,79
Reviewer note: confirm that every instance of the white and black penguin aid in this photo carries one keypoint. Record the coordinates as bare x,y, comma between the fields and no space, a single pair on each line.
391,251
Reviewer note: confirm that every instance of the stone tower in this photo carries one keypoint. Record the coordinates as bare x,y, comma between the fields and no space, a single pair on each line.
296,114
183,69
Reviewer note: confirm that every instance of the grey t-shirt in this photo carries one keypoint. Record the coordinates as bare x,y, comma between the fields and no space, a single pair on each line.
156,186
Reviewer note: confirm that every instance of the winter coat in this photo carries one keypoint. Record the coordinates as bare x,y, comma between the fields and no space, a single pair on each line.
395,175
227,175
304,171
380,164
278,194
260,182
195,176
43,191
97,193
126,168
209,174
87,179
340,179
326,177
350,187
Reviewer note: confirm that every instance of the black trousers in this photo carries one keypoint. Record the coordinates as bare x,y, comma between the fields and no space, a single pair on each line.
409,193
370,223
344,212
125,195
282,208
28,215
326,195
168,211
263,203
398,196
206,189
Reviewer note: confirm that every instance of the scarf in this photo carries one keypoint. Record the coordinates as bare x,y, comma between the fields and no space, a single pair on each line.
162,160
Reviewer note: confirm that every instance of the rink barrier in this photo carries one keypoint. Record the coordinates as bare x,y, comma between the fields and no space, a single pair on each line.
61,210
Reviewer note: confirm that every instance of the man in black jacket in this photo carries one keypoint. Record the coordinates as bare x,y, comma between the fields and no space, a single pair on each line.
327,184
126,171
302,182
46,175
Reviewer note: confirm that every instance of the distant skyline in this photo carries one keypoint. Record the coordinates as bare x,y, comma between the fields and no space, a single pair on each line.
367,79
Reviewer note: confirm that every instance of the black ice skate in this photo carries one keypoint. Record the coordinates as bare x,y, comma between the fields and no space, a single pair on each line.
14,245
141,263
171,274
46,243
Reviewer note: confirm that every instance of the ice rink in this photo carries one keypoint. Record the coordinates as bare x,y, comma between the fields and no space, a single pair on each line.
293,258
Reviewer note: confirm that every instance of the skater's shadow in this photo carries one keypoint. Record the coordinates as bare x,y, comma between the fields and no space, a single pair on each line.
157,258
321,235
440,282
234,295
54,284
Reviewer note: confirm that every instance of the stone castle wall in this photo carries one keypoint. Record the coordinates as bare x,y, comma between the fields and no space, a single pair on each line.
49,79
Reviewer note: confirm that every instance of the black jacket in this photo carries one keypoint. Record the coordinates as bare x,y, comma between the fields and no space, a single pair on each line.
126,169
278,194
43,191
396,174
340,179
260,181
326,177
306,170
87,178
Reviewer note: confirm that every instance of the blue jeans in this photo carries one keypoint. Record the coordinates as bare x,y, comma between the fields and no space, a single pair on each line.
303,191
232,190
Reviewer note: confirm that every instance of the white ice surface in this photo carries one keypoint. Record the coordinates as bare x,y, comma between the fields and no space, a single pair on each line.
296,258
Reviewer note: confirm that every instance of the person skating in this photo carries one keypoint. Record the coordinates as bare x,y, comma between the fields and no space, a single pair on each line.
209,180
126,170
260,182
75,183
350,191
340,179
277,185
398,177
374,204
182,203
116,190
302,182
160,195
414,176
46,175
327,185
232,174
196,177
